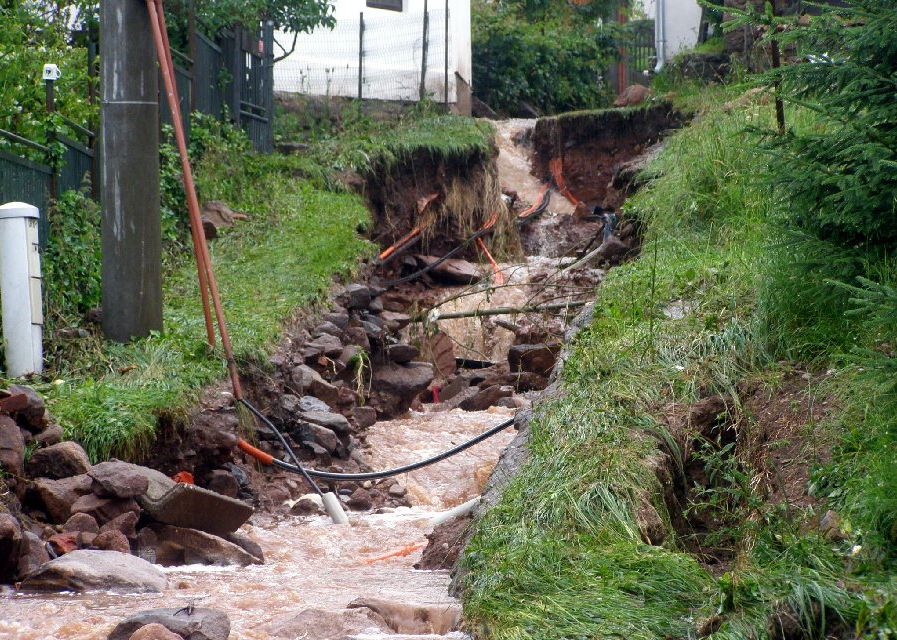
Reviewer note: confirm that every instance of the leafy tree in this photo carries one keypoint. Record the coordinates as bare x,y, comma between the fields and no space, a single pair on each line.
293,16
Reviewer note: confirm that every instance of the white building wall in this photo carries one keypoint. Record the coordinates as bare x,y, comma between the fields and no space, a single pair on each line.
683,19
325,61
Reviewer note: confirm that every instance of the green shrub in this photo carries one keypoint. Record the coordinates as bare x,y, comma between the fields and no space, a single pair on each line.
72,260
555,66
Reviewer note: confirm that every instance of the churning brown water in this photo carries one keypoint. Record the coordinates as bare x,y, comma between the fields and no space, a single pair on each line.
311,565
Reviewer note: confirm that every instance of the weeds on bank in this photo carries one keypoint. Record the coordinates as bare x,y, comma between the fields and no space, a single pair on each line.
110,397
690,318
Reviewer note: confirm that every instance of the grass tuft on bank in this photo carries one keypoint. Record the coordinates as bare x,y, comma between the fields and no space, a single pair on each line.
697,314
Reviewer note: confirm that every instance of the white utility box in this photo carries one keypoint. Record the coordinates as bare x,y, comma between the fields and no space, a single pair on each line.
20,289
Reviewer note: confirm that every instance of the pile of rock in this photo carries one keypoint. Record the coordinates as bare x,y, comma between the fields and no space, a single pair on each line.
60,506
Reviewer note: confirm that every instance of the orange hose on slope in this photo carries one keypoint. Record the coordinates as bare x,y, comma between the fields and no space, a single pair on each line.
556,166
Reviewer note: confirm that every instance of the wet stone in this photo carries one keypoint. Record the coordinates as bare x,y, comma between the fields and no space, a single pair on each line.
112,541
104,509
81,522
62,460
333,421
322,436
34,554
310,403
154,631
118,480
358,296
360,500
126,524
486,398
533,358
402,353
199,624
364,416
58,496
376,305
12,541
223,482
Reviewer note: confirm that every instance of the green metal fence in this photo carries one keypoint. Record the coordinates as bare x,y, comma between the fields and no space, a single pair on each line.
29,173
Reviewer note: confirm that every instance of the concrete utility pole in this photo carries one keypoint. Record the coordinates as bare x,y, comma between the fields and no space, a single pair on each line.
129,192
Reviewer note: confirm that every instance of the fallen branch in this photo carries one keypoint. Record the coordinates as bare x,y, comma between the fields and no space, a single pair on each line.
500,311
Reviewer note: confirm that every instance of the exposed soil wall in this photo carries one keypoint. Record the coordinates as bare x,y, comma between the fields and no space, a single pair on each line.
453,196
594,145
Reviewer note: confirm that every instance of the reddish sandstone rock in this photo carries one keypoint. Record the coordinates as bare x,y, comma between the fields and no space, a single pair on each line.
62,460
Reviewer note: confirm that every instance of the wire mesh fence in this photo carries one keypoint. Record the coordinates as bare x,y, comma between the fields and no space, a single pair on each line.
402,56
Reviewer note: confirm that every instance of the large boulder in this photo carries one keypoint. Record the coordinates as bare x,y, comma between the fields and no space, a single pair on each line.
180,545
91,570
397,385
198,624
62,460
12,544
118,480
58,496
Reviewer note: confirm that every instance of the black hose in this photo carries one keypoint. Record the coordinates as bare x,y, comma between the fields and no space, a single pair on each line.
298,468
376,475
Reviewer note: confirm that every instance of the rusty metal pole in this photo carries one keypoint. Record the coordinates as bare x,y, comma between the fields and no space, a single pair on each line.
129,182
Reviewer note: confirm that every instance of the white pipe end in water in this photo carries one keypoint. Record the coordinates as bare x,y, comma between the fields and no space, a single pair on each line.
20,289
334,509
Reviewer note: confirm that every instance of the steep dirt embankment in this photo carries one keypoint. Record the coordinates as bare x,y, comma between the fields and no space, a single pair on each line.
594,147
449,197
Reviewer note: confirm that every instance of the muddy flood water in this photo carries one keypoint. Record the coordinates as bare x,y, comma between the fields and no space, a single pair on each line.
312,569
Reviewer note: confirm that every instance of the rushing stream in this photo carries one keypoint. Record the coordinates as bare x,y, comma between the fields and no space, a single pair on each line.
310,564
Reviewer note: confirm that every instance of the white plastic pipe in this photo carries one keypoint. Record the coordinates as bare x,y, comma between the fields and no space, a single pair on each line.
20,289
334,509
460,510
660,34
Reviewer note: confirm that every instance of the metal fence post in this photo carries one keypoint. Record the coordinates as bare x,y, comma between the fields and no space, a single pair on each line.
446,47
51,138
423,56
269,84
360,53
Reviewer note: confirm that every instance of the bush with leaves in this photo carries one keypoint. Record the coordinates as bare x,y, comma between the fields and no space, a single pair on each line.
72,260
554,64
